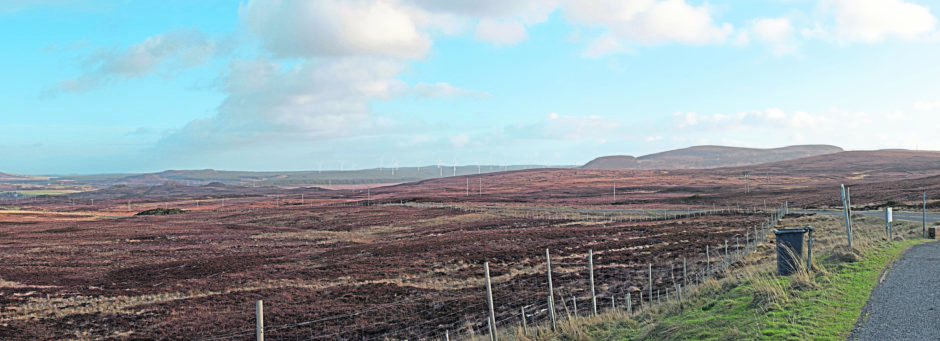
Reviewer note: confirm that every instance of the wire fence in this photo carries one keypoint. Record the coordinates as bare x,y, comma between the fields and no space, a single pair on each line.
522,300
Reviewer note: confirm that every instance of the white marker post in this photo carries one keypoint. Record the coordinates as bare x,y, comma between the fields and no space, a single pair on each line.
889,219
845,212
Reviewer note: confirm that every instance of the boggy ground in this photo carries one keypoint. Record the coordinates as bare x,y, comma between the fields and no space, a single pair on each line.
73,268
324,272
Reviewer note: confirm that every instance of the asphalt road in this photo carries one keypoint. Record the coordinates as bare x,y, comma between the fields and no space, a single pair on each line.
906,306
910,216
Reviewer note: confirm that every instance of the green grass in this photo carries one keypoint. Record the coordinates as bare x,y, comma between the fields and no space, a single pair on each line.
754,303
826,313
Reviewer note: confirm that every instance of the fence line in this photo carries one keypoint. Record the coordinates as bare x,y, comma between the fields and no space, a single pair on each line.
573,292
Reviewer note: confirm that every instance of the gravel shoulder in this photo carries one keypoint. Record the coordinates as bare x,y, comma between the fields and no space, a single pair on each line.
906,305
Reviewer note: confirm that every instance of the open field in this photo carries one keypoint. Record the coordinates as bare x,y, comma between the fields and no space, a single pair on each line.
398,262
160,277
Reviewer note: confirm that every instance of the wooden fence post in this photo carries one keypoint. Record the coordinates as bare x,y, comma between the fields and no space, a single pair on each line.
591,270
708,260
651,284
727,262
525,329
747,241
641,300
685,275
489,301
551,293
629,304
551,312
259,320
574,304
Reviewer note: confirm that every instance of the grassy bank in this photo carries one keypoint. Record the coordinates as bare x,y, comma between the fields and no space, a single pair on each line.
751,302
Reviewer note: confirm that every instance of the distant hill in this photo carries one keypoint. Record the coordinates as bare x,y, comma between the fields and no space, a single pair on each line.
864,164
705,157
220,178
613,162
176,189
15,177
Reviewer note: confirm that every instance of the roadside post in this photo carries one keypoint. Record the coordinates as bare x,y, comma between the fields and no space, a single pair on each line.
889,222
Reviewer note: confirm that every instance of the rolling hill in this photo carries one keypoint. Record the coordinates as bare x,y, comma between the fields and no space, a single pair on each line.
274,178
706,157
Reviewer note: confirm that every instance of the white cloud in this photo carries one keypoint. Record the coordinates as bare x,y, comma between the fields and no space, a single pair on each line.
568,127
873,21
294,28
176,49
529,12
500,22
773,29
687,119
501,32
446,90
777,33
816,32
927,106
460,140
414,141
604,45
745,120
649,21
391,28
742,38
267,103
776,127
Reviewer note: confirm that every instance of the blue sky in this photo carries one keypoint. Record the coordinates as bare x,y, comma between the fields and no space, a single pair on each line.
134,86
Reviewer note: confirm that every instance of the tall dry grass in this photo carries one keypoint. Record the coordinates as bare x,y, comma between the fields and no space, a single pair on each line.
757,272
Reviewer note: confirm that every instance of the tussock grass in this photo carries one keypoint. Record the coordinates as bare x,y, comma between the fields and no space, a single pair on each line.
752,302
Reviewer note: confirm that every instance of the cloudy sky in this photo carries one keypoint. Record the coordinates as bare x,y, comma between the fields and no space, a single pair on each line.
130,86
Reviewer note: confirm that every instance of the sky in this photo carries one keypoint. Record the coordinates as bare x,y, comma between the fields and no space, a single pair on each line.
143,86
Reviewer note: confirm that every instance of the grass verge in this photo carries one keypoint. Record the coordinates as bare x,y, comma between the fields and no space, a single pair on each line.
751,302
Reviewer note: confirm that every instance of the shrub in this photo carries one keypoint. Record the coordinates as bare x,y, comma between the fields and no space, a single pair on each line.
161,211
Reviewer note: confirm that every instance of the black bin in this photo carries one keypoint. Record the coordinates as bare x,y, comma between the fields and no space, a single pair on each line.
789,239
